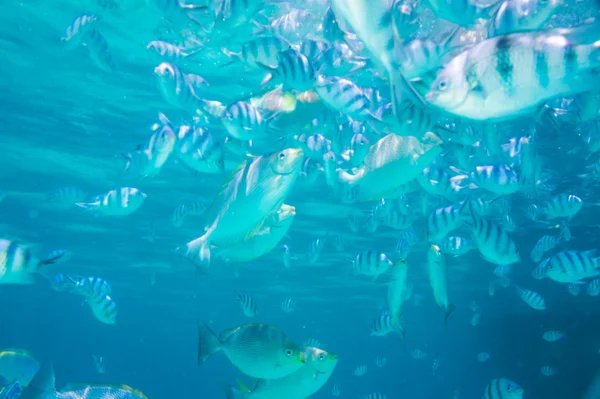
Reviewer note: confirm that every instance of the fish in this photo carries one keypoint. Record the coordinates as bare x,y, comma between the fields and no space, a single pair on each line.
18,265
262,242
118,202
18,365
11,391
437,271
531,298
251,193
302,383
288,305
519,71
572,266
361,370
553,335
370,263
397,289
248,304
502,388
257,350
521,16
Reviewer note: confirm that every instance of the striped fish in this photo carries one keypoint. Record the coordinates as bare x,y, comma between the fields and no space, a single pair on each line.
18,265
498,179
501,388
573,266
520,71
78,30
314,252
562,206
443,221
68,195
574,289
344,96
247,304
419,56
175,89
288,305
168,50
539,273
380,361
456,246
89,286
118,202
385,324
264,50
543,245
361,370
593,288
370,263
531,298
375,395
405,19
293,69
244,121
553,335
99,51
11,391
103,307
493,242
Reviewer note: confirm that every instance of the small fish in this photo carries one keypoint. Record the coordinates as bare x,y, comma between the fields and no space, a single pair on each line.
339,243
531,298
553,335
100,364
456,246
179,215
247,304
371,263
574,289
118,202
483,357
438,279
547,371
418,354
68,195
385,324
288,305
169,50
475,319
501,388
380,361
199,150
573,266
562,206
103,307
361,370
375,395
314,252
294,70
593,288
335,390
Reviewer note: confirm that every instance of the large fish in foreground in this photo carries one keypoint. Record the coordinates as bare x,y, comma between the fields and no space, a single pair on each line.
257,350
301,384
251,193
509,76
18,265
391,163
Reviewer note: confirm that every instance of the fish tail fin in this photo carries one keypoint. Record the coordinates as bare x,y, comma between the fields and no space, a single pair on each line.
232,393
448,312
233,57
52,259
43,384
198,252
271,73
208,343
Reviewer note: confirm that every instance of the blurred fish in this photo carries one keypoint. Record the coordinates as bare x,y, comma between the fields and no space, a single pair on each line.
501,388
361,370
288,305
248,304
18,265
118,202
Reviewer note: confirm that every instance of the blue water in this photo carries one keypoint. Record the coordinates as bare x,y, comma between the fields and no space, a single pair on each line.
66,122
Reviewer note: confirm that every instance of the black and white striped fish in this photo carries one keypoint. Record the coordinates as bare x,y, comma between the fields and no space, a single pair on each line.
247,304
263,50
386,324
573,266
520,71
18,265
531,298
493,242
288,305
371,263
293,69
501,388
103,307
169,50
443,221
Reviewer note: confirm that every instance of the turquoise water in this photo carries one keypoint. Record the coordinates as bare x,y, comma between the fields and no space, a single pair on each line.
66,123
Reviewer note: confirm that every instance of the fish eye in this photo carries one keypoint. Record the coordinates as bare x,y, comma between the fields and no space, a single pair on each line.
321,356
289,352
281,156
442,85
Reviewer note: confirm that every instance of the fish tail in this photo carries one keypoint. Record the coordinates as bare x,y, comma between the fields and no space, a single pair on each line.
208,343
232,393
271,72
449,311
233,57
198,252
43,384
